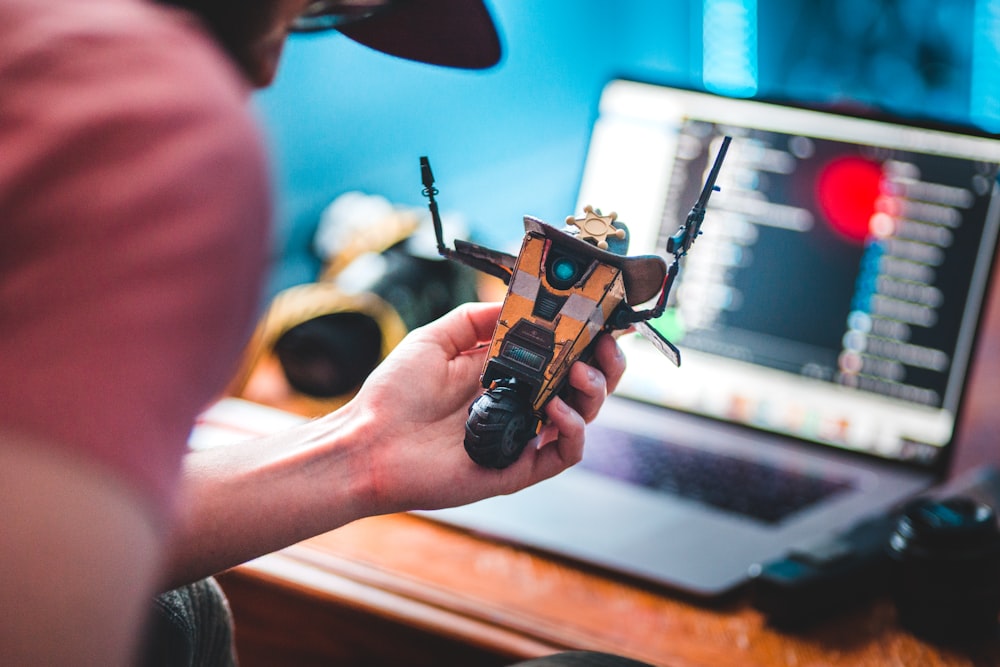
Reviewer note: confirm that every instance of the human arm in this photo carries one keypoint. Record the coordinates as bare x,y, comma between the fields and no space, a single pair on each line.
395,447
67,597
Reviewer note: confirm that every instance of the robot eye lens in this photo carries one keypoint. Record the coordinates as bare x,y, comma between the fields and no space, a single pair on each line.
564,269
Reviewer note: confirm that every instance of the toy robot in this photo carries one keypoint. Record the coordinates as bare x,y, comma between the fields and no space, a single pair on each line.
563,289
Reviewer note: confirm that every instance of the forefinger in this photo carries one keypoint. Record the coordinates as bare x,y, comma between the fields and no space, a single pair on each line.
465,327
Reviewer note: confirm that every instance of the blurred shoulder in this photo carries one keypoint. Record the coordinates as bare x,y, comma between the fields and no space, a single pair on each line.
64,40
136,207
118,85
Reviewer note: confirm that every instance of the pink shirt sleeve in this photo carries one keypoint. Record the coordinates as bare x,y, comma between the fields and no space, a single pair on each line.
134,213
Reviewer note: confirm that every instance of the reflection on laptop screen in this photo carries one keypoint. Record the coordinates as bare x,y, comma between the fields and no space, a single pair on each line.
836,289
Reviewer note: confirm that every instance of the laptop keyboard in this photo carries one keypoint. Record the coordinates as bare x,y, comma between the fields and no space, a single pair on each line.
750,488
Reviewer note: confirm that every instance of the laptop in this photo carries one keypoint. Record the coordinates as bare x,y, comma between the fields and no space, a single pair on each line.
826,319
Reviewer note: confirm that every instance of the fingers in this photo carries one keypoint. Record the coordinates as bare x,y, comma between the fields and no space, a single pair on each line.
589,390
592,383
566,428
560,442
608,357
465,327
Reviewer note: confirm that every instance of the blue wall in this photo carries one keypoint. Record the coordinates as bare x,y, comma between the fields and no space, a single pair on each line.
510,141
503,143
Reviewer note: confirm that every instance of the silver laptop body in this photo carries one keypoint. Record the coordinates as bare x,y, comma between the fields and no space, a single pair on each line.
826,319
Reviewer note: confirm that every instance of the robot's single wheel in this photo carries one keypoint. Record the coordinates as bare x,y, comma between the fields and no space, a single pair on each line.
500,424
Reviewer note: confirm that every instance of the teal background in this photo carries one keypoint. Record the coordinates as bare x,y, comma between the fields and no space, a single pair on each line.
511,140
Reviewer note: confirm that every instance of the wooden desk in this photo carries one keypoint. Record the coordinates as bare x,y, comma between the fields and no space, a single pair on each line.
402,590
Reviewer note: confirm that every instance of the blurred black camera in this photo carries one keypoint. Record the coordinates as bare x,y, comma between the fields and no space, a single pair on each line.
381,277
945,578
937,556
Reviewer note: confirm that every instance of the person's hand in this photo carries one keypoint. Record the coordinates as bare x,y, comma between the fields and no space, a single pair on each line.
415,405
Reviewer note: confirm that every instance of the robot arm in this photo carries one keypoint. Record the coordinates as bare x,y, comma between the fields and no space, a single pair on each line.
493,262
681,242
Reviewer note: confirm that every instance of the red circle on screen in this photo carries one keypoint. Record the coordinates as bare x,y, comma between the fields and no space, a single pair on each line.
847,189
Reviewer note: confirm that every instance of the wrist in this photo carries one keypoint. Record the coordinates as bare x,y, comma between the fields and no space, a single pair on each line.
332,460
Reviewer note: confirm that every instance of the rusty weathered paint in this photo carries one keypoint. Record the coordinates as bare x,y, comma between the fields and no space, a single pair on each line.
601,289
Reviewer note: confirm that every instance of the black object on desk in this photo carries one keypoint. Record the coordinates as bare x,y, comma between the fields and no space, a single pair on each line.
830,576
945,577
939,557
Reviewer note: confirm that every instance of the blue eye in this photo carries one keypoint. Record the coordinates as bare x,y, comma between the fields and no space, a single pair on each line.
564,271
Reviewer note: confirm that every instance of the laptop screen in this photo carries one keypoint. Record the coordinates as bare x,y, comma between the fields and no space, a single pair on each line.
836,289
